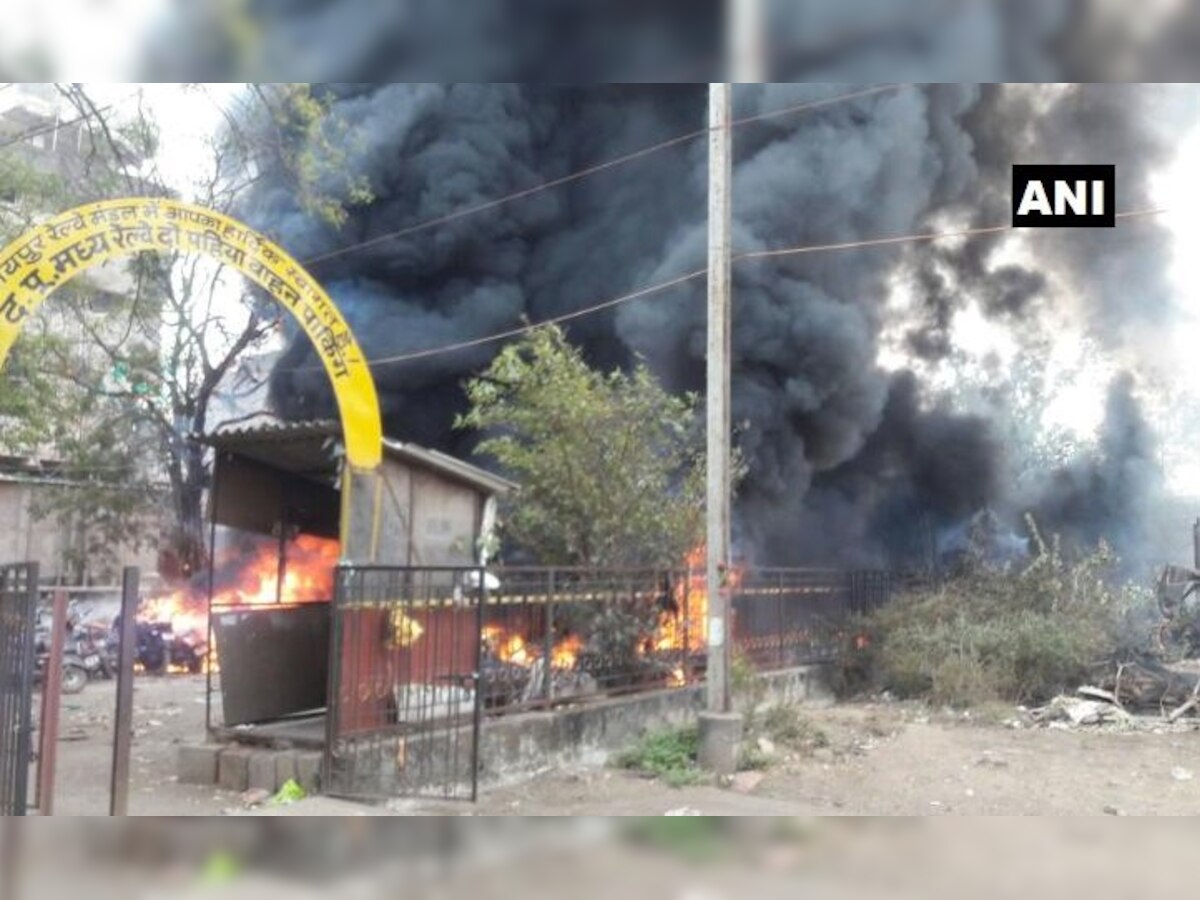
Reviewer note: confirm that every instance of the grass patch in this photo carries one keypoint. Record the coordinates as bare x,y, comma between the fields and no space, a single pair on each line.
697,839
669,755
785,725
752,759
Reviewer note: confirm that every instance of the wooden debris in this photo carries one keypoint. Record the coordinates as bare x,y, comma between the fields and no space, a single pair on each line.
1187,705
1151,685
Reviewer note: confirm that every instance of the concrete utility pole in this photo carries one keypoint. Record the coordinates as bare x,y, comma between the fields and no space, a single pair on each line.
747,37
720,728
717,494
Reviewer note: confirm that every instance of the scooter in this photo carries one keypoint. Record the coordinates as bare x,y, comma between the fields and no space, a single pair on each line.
74,668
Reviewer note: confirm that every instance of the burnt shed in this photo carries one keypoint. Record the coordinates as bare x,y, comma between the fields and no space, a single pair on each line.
284,478
284,481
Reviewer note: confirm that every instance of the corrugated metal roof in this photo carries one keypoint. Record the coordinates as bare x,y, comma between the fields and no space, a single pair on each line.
269,428
448,465
307,449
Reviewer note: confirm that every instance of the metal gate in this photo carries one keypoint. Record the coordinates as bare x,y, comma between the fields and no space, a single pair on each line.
18,618
404,700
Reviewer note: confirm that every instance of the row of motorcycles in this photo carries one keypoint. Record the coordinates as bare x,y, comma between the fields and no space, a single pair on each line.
91,652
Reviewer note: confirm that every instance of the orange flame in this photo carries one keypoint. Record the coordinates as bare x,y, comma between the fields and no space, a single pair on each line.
512,648
688,628
566,652
307,577
685,627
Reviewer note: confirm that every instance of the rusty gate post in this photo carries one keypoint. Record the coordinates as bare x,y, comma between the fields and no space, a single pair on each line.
51,705
118,804
548,641
779,619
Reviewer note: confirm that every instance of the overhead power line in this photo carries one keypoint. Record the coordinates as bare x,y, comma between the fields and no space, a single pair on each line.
913,238
591,170
659,287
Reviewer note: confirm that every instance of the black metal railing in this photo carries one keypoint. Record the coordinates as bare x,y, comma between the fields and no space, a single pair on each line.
420,654
551,635
791,617
18,619
404,697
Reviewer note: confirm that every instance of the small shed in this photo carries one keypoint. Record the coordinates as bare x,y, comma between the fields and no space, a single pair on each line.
277,478
285,480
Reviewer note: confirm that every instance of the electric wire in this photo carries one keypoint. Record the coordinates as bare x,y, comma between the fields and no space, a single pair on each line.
658,287
590,170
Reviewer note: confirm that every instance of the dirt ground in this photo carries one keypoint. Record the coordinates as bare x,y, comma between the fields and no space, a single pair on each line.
881,759
166,712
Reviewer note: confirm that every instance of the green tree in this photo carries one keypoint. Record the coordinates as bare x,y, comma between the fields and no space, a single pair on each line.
112,382
610,466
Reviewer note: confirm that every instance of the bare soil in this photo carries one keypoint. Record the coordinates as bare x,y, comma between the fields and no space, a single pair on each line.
167,711
881,759
897,759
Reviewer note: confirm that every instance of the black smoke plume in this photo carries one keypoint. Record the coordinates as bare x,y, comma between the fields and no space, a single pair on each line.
848,461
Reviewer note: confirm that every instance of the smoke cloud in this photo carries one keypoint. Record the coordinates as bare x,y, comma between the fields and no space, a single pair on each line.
848,461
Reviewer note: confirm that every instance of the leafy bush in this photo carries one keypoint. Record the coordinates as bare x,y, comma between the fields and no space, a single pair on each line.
669,755
995,633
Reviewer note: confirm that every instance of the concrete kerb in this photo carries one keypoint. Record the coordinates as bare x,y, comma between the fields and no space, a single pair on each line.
516,747
198,763
512,748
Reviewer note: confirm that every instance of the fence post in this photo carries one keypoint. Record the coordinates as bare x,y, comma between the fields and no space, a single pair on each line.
779,618
548,647
51,706
477,715
685,613
123,722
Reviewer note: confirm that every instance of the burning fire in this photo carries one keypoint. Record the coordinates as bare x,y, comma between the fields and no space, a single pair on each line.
512,648
247,579
689,627
566,652
684,627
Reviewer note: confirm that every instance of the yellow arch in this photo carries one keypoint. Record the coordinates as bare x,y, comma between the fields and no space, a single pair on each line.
47,256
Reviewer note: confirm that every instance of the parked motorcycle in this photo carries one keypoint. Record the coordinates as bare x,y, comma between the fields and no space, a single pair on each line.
74,668
159,648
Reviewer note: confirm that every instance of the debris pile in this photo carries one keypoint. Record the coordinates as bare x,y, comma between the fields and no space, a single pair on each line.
1141,696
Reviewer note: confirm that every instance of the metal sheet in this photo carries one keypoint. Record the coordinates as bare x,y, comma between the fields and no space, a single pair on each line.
274,660
257,497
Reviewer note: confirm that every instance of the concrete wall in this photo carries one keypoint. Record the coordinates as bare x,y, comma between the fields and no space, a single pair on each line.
24,536
514,748
21,536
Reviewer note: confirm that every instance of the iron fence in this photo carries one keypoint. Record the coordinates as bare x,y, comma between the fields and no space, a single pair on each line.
404,694
790,617
420,654
18,619
559,634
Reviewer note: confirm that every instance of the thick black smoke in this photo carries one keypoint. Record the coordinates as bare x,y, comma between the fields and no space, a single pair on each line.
601,41
848,462
1109,494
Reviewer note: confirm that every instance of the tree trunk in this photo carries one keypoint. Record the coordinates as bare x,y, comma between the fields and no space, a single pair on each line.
187,553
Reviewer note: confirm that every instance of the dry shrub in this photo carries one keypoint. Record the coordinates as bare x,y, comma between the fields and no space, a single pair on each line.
1019,634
